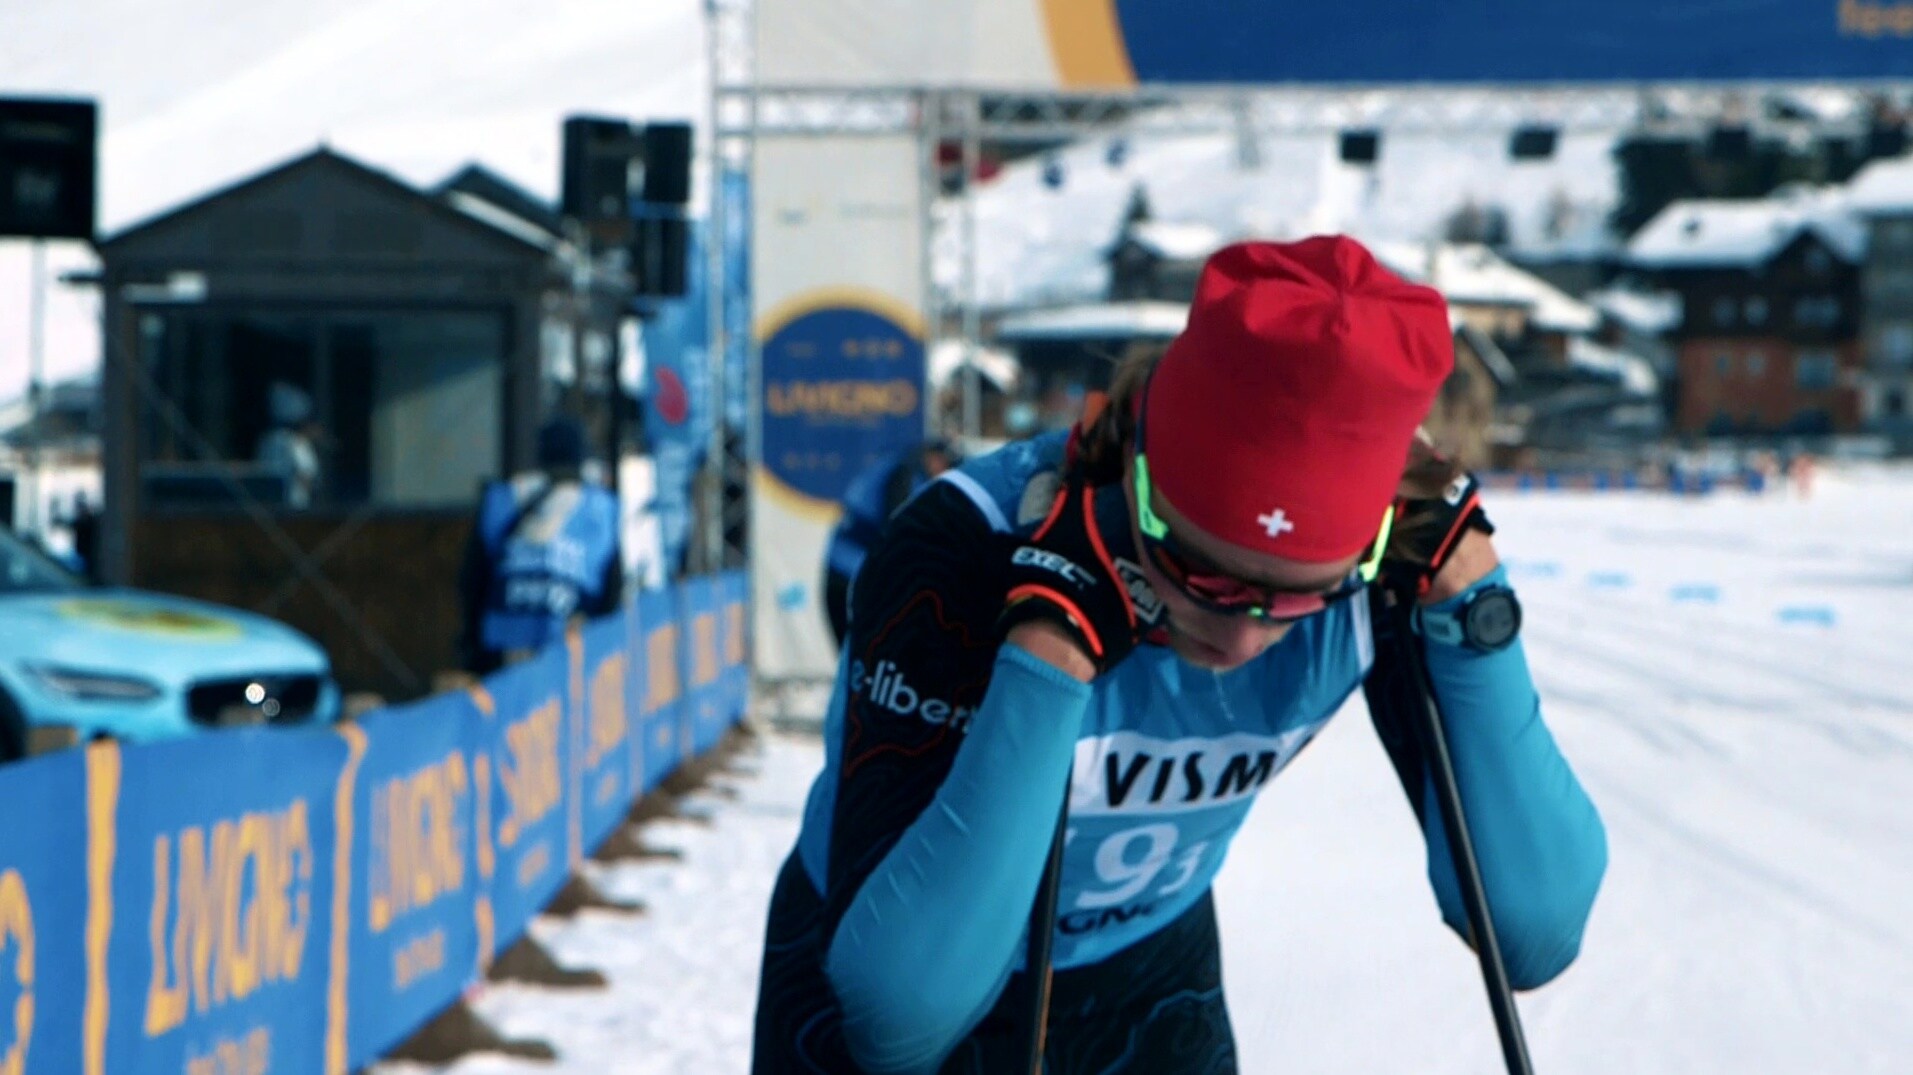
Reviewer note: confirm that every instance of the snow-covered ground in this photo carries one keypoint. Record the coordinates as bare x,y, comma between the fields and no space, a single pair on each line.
1731,678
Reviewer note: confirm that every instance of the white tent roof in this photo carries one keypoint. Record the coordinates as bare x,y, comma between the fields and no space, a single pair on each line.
1141,318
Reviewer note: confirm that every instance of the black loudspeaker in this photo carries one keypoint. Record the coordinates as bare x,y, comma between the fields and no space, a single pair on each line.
667,163
660,255
1361,147
1532,143
596,185
49,168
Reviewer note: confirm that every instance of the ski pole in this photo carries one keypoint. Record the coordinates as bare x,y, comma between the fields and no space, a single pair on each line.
1042,938
1441,769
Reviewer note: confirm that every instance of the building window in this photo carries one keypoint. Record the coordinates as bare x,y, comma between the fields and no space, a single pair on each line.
1756,363
1724,312
1820,311
1723,364
1893,404
288,409
1814,369
1817,261
1756,311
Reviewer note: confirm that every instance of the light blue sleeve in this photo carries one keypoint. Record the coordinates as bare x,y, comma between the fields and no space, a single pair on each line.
929,940
1540,842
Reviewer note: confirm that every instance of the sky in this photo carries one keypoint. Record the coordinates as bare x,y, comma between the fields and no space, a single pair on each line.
1726,675
197,94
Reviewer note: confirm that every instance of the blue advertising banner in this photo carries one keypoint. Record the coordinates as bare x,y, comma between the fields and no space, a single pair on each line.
661,713
607,779
299,901
703,690
843,388
229,875
415,871
734,591
44,962
532,777
1484,41
677,400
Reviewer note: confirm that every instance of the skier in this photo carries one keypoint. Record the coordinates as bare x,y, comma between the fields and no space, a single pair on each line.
1147,620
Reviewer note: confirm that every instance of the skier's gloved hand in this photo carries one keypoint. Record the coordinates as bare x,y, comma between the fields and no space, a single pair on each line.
1066,572
1427,529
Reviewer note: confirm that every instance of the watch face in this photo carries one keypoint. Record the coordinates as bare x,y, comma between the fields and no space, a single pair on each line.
1493,619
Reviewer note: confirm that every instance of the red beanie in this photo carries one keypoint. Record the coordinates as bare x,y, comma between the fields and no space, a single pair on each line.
1280,419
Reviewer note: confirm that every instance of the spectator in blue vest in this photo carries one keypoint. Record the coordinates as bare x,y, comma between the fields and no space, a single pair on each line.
544,549
873,497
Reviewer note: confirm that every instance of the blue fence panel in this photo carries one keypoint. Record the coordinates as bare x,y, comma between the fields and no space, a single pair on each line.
660,713
734,587
226,900
607,781
698,612
43,914
420,868
532,776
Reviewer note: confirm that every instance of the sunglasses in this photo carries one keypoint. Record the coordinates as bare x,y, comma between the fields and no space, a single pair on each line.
1224,594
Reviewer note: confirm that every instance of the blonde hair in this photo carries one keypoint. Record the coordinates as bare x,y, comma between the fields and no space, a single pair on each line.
1108,435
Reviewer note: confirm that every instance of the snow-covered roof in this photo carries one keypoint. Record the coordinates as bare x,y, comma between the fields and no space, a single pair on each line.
1652,312
1469,273
1177,240
995,364
1139,319
1728,233
1629,370
1883,186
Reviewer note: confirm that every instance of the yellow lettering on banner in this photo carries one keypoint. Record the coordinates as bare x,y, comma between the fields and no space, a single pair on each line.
421,956
1861,19
535,861
857,399
250,1055
608,724
661,667
704,649
226,946
16,932
102,848
531,778
417,854
734,633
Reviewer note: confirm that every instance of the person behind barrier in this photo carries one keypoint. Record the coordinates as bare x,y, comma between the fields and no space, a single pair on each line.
290,449
873,497
1144,620
544,548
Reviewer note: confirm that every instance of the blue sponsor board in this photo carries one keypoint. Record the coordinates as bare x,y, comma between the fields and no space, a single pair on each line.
842,389
225,901
531,760
1486,41
43,916
301,900
419,872
607,779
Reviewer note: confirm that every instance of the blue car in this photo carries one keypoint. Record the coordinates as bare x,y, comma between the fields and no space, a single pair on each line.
140,666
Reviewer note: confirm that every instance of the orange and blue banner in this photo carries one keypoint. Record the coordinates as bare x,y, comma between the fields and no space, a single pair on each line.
1120,44
301,901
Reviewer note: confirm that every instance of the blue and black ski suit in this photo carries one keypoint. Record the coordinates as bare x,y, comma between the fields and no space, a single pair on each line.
899,923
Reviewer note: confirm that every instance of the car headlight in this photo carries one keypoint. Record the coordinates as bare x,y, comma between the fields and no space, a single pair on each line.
93,686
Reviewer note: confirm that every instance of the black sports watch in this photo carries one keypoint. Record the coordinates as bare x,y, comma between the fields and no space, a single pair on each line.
1487,621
